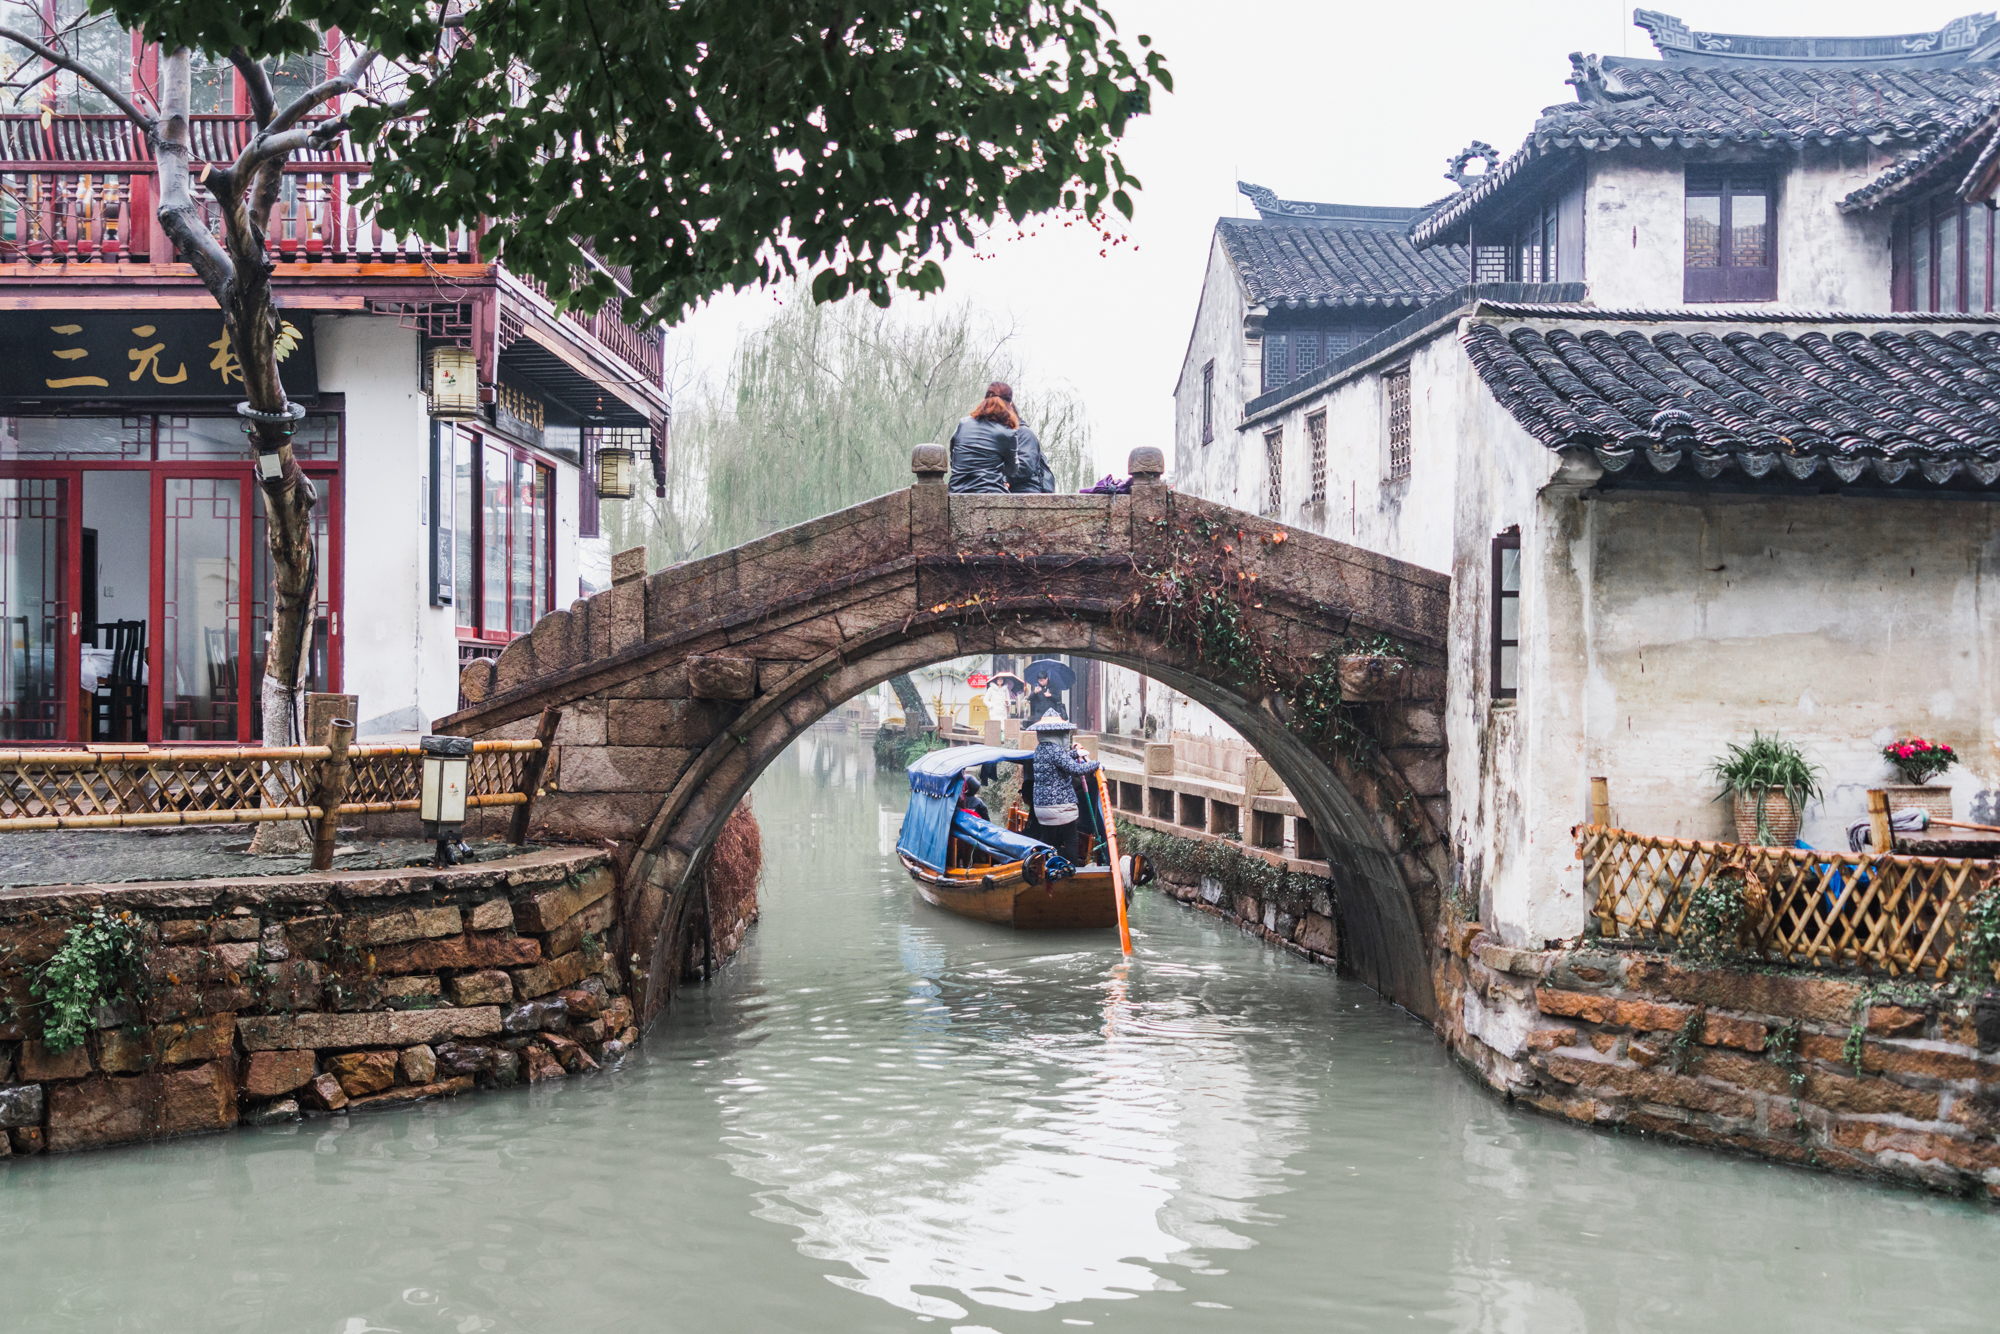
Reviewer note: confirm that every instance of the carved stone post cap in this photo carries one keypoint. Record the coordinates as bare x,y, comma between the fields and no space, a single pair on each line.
1146,464
930,462
628,565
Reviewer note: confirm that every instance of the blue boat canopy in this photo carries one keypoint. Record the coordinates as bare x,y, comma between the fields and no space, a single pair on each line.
938,772
934,782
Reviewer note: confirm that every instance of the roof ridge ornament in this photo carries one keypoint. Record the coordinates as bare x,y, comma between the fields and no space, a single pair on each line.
1456,173
1676,41
1587,75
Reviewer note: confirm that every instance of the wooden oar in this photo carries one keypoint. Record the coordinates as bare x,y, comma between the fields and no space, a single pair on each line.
1960,824
1117,876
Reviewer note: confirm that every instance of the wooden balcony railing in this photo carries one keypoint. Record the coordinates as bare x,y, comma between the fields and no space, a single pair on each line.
83,189
1894,914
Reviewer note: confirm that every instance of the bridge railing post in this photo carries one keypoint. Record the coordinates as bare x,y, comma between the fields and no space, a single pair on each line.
1148,467
930,500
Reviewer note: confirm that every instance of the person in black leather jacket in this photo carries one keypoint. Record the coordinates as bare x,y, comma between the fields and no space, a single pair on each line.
1030,474
983,447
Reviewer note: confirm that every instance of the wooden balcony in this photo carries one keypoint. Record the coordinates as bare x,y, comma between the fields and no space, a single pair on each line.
82,190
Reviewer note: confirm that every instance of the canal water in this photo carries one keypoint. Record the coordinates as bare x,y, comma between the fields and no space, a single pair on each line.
883,1118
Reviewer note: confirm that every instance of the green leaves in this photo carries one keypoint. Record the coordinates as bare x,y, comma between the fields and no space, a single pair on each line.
96,956
703,145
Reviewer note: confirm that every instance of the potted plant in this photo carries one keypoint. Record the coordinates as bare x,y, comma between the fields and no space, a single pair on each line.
1919,761
1768,783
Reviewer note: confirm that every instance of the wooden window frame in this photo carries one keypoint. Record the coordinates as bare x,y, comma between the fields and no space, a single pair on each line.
1274,471
1918,225
478,632
1396,425
1316,443
1729,281
1509,540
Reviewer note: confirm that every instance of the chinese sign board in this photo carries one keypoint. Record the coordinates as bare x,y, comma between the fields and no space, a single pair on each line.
91,355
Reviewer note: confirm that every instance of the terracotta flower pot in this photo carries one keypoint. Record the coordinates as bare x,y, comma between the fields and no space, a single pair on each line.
1932,801
1779,816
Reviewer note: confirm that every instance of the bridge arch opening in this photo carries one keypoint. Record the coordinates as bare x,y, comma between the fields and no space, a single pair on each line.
1386,889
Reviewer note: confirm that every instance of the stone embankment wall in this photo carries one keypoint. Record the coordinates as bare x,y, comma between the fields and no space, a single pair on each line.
1896,1080
1247,886
266,1000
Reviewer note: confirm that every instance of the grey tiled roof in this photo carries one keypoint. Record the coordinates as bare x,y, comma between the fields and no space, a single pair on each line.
1910,407
1307,265
1657,104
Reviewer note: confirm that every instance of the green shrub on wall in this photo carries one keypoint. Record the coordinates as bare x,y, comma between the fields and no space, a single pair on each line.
98,957
1195,859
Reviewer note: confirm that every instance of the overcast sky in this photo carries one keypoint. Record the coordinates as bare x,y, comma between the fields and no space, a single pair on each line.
1339,102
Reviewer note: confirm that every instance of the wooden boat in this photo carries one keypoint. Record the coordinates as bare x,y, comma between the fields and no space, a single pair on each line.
981,870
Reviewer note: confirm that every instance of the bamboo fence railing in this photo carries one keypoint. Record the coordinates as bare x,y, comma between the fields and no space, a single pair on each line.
1894,914
80,789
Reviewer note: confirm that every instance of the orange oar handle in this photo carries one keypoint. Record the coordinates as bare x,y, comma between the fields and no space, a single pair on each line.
1117,876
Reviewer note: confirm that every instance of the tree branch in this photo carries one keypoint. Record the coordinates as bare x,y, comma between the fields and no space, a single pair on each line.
341,84
178,215
88,75
257,82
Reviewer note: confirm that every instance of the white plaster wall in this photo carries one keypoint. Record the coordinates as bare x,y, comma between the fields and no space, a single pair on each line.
400,653
1409,519
1635,229
1212,470
1837,622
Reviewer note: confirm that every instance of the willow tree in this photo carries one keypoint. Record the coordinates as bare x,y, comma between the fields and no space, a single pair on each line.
818,411
689,146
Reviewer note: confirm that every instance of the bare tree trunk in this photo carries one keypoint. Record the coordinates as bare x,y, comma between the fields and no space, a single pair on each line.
238,274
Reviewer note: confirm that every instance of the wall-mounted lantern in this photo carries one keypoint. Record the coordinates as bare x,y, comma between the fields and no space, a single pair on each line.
447,778
454,383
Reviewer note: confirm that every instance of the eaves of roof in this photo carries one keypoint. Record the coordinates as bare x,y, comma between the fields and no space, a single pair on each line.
1914,406
1404,334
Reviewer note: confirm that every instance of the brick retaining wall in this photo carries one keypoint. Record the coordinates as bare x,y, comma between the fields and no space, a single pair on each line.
1899,1080
268,999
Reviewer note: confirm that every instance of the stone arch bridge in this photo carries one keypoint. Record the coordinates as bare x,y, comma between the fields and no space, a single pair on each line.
679,687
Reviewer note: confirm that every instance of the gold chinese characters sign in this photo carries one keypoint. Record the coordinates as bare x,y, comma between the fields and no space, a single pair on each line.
90,355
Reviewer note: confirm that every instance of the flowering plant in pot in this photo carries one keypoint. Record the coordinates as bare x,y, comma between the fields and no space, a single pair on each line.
1919,760
1768,781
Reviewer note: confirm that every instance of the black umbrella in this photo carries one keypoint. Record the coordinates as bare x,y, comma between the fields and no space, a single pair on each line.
1061,675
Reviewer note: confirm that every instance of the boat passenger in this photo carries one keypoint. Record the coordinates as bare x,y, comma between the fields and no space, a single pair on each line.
969,802
1057,766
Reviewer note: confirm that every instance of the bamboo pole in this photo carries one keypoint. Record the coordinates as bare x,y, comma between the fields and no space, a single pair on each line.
1111,846
1880,826
332,787
531,773
1600,802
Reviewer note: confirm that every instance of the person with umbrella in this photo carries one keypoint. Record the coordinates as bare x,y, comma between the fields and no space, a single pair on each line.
1048,678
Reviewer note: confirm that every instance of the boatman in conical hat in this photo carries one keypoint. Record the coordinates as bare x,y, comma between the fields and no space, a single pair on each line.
1057,766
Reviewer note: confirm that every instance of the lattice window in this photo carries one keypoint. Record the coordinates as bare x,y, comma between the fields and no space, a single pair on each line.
1208,402
1274,471
1277,359
1506,665
1396,387
1489,264
1316,440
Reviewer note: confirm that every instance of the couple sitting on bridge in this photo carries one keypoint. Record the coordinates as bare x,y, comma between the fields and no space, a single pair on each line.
994,451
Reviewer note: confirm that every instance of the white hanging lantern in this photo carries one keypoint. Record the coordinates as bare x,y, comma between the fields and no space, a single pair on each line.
454,383
617,465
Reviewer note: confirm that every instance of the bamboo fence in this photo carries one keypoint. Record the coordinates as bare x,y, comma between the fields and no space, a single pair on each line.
83,789
1894,914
